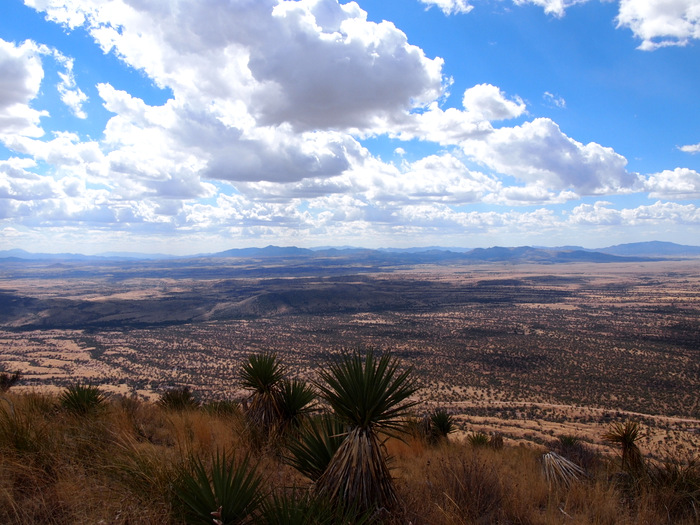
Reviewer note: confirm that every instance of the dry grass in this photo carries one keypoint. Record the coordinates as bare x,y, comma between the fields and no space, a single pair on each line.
117,467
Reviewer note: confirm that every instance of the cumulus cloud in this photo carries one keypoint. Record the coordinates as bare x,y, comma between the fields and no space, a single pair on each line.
538,151
552,7
658,213
450,7
680,183
660,23
21,74
690,148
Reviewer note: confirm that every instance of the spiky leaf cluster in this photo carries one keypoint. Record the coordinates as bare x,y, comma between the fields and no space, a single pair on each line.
231,490
82,399
368,391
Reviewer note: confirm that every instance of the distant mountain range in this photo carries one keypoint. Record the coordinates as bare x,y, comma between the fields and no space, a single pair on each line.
620,252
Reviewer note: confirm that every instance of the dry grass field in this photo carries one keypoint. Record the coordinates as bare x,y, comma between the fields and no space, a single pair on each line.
530,351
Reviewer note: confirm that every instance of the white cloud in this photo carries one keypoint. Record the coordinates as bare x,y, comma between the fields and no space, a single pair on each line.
552,7
538,152
450,7
554,100
658,213
681,183
660,23
21,73
690,148
488,102
71,95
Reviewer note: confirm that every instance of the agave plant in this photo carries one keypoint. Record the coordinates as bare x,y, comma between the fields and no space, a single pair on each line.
370,395
82,399
230,491
316,443
263,375
626,435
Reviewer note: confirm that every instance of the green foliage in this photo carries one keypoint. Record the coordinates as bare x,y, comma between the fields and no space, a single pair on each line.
180,398
232,490
626,435
7,381
370,395
478,439
222,408
306,509
314,446
82,399
441,424
263,374
676,484
296,402
368,391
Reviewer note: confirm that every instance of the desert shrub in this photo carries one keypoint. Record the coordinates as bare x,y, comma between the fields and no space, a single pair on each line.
223,408
228,490
574,449
180,398
496,441
675,486
7,381
469,488
82,399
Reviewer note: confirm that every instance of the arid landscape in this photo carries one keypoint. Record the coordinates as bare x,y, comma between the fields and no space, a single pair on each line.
528,350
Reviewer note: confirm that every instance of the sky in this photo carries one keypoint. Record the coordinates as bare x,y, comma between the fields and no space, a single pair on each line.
195,126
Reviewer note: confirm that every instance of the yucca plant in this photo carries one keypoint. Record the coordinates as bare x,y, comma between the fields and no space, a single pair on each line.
263,375
82,399
478,439
441,425
370,395
626,435
296,402
180,398
314,445
228,490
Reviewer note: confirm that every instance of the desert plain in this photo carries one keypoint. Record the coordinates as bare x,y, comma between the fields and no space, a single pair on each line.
531,351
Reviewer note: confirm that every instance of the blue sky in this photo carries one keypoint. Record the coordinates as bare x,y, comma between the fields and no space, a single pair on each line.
190,126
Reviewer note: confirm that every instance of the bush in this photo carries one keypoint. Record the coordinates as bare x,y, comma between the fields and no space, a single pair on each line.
178,399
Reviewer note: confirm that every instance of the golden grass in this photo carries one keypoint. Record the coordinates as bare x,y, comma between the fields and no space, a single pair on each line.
118,466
